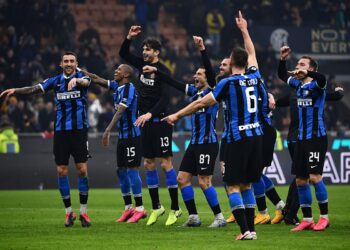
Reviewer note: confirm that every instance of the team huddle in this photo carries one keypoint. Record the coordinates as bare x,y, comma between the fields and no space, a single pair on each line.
145,130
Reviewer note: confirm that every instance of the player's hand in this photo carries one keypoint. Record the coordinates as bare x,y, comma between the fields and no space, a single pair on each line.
149,69
272,102
298,73
72,83
199,42
143,119
339,89
171,119
284,52
105,138
241,22
7,92
222,167
134,31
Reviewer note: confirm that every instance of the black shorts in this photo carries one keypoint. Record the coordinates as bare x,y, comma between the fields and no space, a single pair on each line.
222,149
199,159
129,152
309,157
243,161
73,142
156,140
269,140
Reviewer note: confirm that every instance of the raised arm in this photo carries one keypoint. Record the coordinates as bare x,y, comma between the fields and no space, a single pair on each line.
248,43
282,69
96,79
124,51
209,72
117,115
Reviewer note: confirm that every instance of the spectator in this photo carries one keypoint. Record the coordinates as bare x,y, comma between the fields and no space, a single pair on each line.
8,139
215,23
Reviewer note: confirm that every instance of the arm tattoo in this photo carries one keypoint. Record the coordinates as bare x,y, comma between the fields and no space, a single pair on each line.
116,117
29,90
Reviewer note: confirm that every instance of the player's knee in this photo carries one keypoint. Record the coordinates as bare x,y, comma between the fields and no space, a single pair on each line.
62,170
81,169
301,181
149,164
166,163
204,182
244,187
182,180
315,178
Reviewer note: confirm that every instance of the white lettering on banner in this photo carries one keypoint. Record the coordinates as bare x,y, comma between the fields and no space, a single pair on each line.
345,167
68,95
248,126
275,171
329,169
329,41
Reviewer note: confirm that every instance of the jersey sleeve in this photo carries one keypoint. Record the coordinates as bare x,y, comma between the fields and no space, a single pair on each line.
253,72
221,90
293,82
112,85
47,84
191,90
128,95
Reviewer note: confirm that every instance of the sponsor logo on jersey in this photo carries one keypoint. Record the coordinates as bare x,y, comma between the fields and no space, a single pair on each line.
68,95
147,81
304,102
248,126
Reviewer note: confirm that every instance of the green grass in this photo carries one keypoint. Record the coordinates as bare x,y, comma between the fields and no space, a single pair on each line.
34,220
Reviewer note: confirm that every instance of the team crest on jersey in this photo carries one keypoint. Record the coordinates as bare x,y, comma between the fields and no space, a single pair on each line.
68,95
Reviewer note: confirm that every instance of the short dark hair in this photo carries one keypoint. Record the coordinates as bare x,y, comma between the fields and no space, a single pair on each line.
239,57
152,43
313,62
69,53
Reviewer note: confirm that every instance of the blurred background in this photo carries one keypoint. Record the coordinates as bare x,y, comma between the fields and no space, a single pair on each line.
33,35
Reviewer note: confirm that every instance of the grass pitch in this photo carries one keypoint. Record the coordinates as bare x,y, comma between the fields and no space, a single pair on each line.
34,220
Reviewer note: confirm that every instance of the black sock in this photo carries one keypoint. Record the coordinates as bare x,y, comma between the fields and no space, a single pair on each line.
294,201
174,198
241,219
153,192
273,196
138,201
323,208
216,209
127,200
83,197
191,207
261,203
250,214
307,213
67,202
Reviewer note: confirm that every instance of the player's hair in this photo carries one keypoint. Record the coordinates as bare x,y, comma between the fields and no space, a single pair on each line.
152,43
239,57
129,70
69,53
313,62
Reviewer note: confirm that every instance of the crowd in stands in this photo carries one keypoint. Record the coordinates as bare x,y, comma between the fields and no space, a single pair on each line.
31,47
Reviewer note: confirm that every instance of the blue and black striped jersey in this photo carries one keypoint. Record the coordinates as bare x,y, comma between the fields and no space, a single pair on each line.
240,94
71,106
126,96
203,121
310,99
